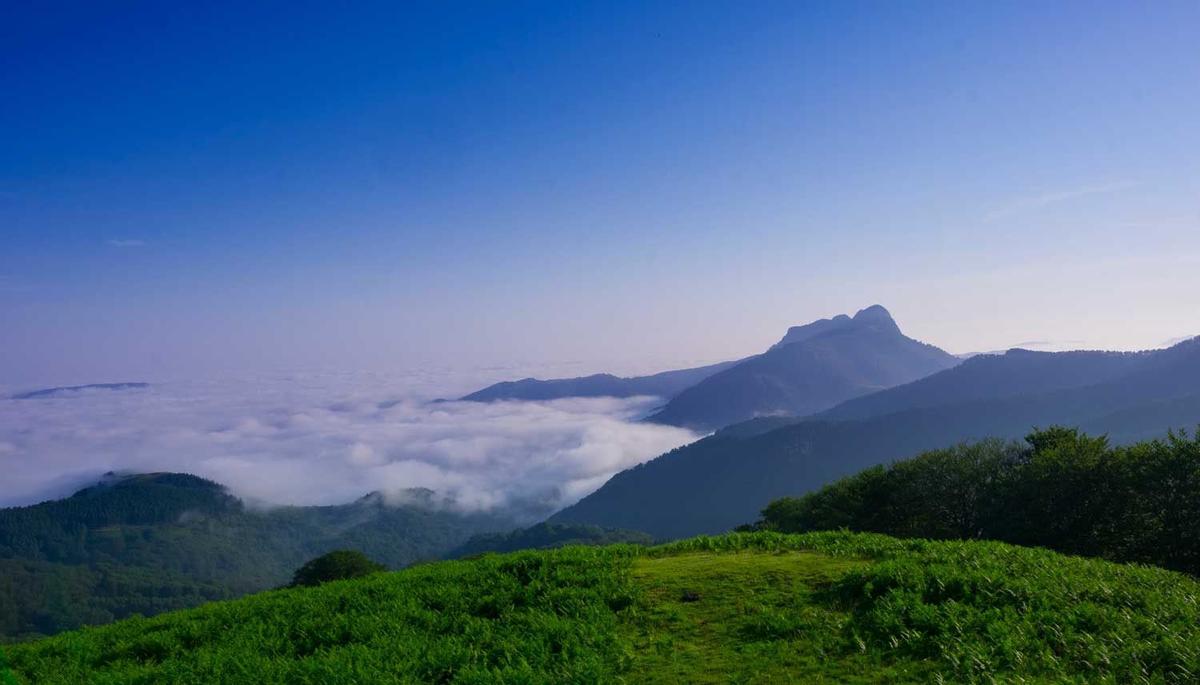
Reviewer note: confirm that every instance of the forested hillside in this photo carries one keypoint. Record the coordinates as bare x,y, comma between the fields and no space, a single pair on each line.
1059,489
155,542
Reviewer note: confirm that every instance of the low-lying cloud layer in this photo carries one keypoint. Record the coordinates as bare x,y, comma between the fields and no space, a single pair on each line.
327,440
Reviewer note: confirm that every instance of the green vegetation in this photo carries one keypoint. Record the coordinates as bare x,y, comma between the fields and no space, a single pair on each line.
340,564
747,607
1060,489
158,542
547,536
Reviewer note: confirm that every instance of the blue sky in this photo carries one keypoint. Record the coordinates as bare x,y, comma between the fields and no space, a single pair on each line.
187,189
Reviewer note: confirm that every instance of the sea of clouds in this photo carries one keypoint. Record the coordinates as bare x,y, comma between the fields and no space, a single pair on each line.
328,439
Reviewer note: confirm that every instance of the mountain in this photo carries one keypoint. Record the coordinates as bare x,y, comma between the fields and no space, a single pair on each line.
813,367
725,479
148,543
665,384
69,389
829,607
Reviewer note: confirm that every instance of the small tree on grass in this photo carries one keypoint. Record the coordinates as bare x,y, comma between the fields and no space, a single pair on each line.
337,565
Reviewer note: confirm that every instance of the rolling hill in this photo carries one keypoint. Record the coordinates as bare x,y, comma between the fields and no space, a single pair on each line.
725,479
761,607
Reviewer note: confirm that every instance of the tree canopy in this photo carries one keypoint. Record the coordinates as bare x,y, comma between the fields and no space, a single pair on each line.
336,565
1060,489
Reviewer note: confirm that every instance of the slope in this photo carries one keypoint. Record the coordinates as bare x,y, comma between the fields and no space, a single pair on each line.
155,542
764,607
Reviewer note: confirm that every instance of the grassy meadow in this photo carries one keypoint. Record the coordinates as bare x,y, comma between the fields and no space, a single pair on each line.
745,607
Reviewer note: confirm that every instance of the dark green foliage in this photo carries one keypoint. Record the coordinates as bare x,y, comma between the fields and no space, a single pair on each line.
734,473
339,564
157,542
548,535
1060,489
819,607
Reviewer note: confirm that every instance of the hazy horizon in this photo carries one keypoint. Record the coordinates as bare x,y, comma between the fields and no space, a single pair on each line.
456,379
192,192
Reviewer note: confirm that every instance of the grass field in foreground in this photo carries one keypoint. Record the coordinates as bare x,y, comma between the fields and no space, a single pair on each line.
762,607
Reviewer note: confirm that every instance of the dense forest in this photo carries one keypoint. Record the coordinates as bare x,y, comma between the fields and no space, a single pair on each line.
1060,489
155,542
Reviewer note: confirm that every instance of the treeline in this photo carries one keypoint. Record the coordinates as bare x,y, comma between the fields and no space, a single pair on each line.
1059,489
547,536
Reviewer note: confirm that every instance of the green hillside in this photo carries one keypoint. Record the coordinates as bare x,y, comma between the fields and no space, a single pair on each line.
1060,489
750,607
158,542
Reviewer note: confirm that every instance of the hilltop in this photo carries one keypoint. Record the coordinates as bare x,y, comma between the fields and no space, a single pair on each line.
761,607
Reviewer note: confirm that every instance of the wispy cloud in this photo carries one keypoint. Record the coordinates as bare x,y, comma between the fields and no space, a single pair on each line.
126,242
1033,203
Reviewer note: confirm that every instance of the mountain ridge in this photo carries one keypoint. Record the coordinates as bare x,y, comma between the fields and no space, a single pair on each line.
737,471
812,368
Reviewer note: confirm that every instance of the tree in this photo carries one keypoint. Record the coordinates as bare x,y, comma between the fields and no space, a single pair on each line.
337,565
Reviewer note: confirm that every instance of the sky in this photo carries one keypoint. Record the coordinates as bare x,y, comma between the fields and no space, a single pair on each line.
190,190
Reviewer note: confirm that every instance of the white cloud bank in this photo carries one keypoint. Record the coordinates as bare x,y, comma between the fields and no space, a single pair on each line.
326,440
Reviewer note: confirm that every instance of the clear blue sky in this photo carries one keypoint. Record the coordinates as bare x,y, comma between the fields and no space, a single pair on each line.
195,187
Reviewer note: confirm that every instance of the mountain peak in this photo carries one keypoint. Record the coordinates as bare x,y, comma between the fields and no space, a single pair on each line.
875,312
876,316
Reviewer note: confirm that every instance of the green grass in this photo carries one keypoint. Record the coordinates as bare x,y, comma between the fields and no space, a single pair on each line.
747,618
754,608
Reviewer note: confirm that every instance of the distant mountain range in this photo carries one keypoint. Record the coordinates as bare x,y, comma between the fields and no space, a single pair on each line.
665,384
723,480
67,389
813,367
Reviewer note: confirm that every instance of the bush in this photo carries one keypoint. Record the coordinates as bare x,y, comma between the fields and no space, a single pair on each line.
337,565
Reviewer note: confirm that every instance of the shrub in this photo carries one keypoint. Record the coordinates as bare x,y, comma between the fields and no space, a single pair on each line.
337,565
